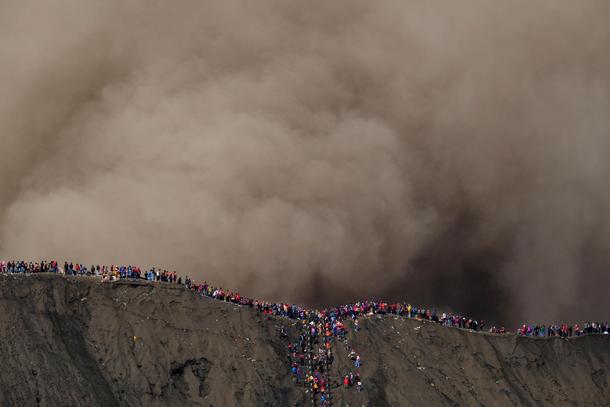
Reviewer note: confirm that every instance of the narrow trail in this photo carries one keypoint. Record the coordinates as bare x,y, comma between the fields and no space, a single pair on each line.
328,362
314,350
309,357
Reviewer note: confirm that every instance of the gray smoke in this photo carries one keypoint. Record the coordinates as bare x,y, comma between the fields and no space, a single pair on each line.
451,154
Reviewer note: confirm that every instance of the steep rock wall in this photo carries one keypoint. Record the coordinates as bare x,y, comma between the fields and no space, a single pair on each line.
74,342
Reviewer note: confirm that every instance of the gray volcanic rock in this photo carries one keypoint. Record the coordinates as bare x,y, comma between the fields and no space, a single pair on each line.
73,341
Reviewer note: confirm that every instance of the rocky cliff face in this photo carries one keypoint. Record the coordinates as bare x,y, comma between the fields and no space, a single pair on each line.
75,341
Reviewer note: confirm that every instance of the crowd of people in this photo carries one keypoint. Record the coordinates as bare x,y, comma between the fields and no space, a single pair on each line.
106,273
564,330
28,267
363,308
113,273
314,365
311,356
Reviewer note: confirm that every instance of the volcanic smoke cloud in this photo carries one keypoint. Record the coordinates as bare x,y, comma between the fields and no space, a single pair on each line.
455,154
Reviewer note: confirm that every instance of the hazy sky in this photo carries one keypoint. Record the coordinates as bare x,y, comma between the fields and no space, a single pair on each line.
446,153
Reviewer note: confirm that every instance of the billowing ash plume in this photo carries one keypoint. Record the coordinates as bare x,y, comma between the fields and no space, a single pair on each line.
450,154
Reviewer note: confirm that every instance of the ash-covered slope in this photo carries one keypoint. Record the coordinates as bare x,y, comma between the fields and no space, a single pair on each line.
75,341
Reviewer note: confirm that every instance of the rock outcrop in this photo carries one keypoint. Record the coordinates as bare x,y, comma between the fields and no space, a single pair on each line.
73,341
